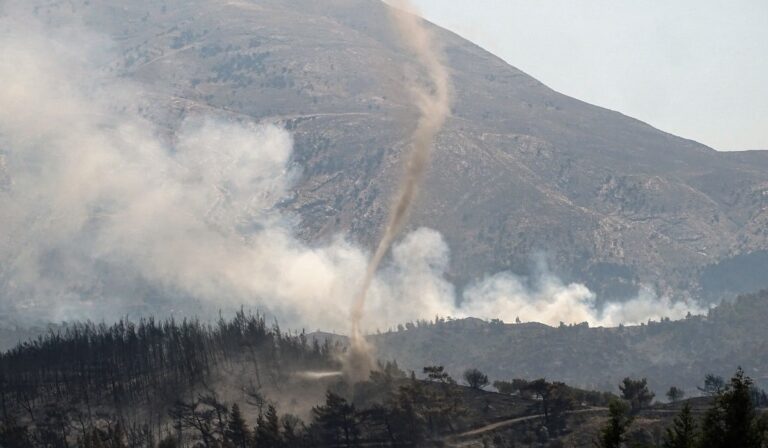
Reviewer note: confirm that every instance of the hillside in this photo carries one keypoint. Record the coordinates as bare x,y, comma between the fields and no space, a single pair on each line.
519,170
187,383
668,353
140,383
243,383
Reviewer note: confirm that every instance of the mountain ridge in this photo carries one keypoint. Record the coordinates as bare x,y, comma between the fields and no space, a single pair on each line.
518,171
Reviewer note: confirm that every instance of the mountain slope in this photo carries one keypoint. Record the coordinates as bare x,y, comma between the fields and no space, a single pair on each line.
668,353
519,169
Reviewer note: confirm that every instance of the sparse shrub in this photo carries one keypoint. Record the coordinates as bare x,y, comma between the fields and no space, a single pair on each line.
476,379
713,384
675,394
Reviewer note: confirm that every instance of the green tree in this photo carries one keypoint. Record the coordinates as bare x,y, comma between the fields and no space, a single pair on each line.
636,392
556,400
675,394
237,429
292,430
335,423
683,433
713,384
713,430
560,400
762,428
406,416
613,434
732,421
476,379
268,430
538,388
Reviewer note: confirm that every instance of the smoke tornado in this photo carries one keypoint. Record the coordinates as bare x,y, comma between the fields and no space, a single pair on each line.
433,102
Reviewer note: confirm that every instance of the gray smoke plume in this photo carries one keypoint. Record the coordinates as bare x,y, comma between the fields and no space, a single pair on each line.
433,103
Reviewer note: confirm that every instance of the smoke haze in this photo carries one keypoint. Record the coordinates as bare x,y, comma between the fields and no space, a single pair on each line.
104,214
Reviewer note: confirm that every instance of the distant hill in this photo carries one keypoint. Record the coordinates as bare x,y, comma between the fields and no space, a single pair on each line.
669,353
520,169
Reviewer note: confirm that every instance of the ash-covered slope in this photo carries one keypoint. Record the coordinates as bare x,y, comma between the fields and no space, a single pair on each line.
519,169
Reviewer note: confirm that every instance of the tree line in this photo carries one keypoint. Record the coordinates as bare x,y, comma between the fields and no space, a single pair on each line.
153,385
117,381
732,419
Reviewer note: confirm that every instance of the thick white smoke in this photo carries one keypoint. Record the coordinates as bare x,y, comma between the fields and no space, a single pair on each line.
101,214
551,301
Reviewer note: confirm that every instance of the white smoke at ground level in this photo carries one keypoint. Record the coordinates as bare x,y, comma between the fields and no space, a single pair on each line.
542,297
505,296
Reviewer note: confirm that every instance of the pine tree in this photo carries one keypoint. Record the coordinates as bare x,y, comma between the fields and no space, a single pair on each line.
732,421
268,430
613,433
713,384
406,423
336,423
293,430
682,434
713,431
636,392
237,430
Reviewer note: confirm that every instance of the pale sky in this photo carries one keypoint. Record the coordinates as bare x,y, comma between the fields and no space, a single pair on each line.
695,68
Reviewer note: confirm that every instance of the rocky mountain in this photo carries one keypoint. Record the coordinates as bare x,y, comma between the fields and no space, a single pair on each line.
519,169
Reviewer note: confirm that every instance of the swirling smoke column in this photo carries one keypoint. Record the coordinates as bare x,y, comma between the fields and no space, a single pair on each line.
433,102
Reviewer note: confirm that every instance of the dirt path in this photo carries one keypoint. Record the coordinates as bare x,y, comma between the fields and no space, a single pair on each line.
454,440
